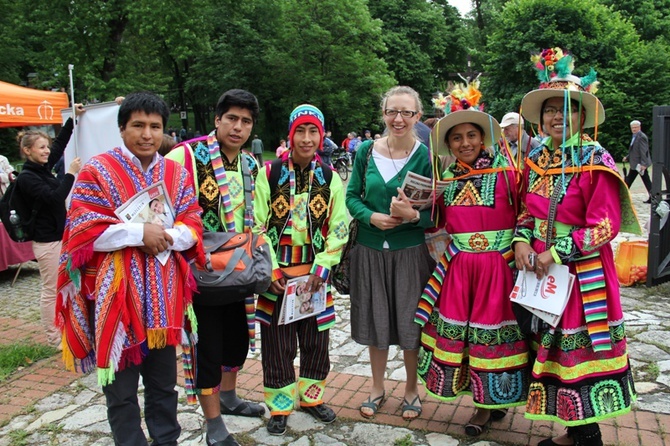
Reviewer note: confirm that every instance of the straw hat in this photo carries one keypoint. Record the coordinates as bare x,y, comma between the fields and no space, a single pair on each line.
462,106
554,68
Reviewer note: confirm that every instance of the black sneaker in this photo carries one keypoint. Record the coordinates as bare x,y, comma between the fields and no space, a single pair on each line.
321,412
277,424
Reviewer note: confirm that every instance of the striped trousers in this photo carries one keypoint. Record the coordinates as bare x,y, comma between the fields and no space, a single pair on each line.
279,347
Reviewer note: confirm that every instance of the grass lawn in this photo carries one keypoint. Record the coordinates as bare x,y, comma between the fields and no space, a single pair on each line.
20,354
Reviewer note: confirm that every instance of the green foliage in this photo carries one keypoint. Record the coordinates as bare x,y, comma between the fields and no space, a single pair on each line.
18,437
340,55
423,40
404,441
598,38
20,354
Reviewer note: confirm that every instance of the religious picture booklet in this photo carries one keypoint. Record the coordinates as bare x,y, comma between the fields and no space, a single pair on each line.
300,304
150,205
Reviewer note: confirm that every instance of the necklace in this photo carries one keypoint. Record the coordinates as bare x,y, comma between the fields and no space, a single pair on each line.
390,151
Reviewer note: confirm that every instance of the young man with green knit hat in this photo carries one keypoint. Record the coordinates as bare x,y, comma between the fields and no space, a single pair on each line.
299,207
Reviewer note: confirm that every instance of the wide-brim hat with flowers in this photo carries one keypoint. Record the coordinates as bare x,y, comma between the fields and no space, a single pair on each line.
554,69
462,106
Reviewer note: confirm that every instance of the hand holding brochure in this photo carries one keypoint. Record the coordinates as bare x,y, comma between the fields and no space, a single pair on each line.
299,304
150,205
419,190
546,297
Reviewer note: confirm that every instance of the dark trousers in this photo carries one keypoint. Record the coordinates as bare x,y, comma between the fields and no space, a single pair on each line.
159,375
632,174
280,347
259,158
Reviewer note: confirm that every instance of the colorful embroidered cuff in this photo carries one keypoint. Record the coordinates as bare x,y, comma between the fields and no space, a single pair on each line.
522,234
320,271
555,255
277,274
566,249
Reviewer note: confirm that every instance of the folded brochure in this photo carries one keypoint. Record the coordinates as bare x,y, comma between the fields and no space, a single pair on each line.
545,297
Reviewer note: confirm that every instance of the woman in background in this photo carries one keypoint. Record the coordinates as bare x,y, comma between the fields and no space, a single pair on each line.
37,185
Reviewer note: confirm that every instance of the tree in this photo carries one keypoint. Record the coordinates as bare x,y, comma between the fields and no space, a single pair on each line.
289,52
596,36
424,42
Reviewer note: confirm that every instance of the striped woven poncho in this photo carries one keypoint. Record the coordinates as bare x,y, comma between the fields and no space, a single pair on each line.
114,306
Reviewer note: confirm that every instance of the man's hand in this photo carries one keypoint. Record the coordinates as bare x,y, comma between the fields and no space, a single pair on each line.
155,239
625,159
278,286
314,283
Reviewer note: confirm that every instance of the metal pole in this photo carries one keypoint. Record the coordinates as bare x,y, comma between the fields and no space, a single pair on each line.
70,67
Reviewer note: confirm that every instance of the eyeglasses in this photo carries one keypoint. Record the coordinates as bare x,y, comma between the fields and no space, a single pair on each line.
551,111
391,113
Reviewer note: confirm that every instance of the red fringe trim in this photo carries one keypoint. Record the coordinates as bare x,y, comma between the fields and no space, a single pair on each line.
131,356
82,255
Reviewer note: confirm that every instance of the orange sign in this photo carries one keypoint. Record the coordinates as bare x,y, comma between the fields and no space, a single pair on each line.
20,106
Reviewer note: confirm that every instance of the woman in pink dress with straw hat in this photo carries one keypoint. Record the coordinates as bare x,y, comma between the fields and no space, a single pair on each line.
470,341
581,374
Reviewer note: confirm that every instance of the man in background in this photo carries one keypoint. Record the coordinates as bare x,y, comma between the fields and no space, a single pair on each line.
639,158
257,149
516,136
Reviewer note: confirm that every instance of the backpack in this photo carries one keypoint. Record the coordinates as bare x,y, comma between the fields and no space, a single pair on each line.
13,201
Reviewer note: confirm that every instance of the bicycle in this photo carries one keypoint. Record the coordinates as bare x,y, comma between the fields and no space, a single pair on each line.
341,163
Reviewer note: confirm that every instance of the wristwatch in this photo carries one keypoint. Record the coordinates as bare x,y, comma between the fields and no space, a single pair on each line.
417,218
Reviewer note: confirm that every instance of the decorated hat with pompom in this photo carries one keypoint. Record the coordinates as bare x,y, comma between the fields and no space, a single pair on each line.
462,106
554,70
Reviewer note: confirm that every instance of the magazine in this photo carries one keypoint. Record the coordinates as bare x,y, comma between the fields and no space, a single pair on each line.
419,190
546,297
299,304
150,205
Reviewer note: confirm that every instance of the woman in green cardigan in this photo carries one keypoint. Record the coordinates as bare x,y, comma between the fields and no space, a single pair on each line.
390,263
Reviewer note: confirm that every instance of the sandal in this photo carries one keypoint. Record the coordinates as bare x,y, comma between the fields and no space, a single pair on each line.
498,414
411,407
475,430
374,404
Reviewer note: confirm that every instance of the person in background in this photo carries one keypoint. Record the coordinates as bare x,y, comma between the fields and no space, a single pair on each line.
38,186
581,374
257,149
471,342
281,149
6,170
167,144
224,334
347,140
368,135
638,155
326,152
304,219
516,136
122,310
390,263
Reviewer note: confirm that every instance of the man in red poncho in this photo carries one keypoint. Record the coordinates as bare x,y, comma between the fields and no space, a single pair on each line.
124,284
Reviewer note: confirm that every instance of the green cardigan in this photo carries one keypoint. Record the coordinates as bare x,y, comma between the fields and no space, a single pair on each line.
378,199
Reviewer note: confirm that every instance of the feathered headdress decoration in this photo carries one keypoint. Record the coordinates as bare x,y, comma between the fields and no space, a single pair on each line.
555,64
462,97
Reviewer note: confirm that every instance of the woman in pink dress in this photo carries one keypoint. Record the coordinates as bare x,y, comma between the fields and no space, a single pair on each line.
471,343
581,374
281,149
